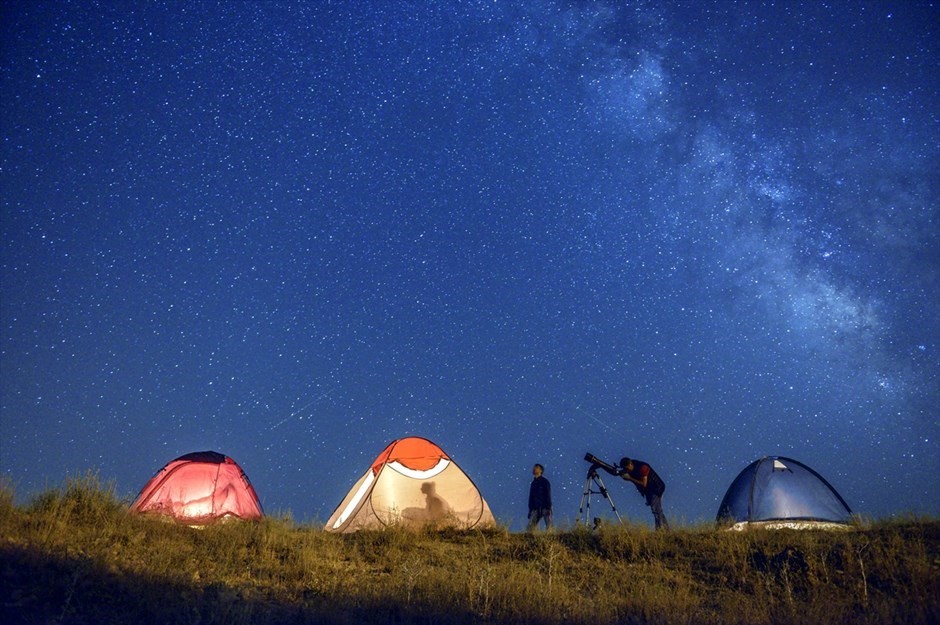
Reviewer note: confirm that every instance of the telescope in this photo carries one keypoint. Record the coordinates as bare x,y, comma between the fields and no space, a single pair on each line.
593,479
597,463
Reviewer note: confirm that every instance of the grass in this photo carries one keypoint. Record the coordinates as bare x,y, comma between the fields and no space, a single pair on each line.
75,555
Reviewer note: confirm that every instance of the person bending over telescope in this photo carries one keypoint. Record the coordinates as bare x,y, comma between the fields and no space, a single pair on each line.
649,484
646,480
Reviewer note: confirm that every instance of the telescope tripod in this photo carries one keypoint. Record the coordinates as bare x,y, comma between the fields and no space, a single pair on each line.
594,480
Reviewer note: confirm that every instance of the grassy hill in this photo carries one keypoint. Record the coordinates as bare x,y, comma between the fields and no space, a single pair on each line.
76,556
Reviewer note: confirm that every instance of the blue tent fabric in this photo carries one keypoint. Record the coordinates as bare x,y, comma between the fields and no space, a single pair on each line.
775,488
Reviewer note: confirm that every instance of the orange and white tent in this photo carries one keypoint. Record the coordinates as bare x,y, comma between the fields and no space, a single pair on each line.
200,488
412,483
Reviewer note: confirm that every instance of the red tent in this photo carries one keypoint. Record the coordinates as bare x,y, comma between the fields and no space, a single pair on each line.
200,488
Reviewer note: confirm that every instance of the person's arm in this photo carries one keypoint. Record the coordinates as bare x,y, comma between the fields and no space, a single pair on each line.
630,478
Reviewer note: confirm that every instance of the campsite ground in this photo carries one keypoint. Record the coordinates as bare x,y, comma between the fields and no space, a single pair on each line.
76,556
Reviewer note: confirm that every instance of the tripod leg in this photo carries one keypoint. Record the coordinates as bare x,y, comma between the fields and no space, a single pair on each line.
606,495
585,496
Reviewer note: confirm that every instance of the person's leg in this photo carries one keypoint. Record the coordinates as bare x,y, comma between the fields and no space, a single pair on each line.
533,520
548,518
656,505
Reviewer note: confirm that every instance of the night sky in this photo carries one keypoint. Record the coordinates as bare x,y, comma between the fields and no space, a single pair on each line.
692,233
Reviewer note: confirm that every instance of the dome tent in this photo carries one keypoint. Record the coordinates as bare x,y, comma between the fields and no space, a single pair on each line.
198,489
412,483
776,491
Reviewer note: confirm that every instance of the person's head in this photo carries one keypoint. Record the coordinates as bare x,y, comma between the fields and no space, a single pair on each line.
538,470
626,463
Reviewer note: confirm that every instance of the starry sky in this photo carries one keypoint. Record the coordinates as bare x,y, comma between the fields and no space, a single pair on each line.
694,233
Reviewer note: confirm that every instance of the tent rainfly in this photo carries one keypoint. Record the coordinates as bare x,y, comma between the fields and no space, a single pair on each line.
781,492
412,483
198,489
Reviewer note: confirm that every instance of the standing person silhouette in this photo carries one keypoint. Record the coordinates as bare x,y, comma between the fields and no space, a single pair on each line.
540,499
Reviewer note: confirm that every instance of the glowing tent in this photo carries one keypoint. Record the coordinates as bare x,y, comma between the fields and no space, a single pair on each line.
780,492
200,488
412,483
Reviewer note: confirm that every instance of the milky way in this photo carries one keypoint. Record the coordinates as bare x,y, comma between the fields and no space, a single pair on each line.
292,232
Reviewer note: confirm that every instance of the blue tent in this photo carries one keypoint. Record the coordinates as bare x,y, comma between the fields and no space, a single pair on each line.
775,488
